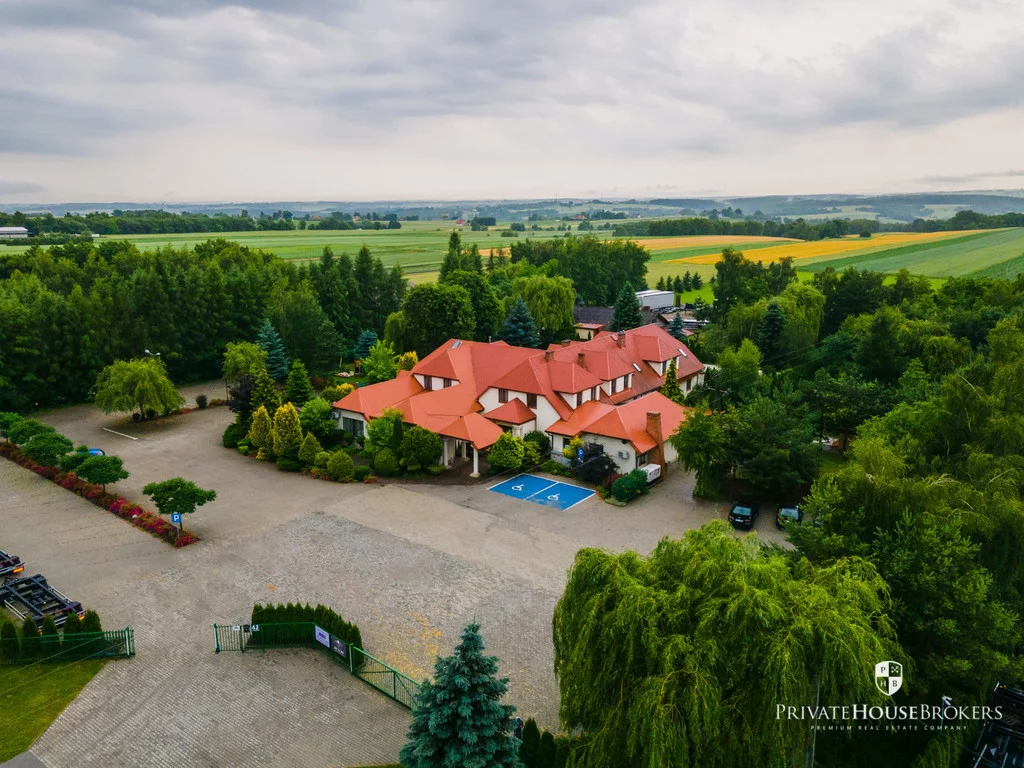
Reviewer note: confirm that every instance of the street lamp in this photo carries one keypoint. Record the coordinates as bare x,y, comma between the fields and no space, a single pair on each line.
152,354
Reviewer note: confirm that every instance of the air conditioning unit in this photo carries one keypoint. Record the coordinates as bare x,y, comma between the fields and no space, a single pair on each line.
623,454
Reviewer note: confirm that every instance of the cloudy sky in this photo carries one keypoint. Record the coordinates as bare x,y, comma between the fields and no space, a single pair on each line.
179,100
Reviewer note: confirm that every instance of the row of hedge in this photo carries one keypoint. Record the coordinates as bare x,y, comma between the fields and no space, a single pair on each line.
79,639
542,749
123,508
321,615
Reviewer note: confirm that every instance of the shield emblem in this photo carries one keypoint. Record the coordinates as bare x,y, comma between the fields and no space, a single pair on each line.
888,676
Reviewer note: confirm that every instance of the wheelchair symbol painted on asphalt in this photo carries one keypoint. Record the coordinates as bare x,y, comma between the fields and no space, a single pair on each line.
553,497
517,487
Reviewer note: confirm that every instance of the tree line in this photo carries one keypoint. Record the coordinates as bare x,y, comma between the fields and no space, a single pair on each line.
801,229
152,222
67,312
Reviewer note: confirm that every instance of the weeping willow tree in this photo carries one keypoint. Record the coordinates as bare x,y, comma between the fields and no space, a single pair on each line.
680,658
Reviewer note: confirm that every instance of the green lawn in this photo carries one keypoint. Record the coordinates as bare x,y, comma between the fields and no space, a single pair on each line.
32,697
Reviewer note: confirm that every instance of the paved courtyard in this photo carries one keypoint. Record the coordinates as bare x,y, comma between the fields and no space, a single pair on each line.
411,564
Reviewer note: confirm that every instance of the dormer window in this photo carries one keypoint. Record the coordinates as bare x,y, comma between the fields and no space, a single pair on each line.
502,395
531,400
428,383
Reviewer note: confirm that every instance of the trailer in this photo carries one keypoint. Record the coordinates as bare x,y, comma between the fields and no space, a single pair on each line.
10,565
32,596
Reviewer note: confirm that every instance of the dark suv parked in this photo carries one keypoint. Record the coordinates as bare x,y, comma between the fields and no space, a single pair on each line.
790,513
743,515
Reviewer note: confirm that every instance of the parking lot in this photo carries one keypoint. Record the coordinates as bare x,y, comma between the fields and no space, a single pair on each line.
410,564
541,490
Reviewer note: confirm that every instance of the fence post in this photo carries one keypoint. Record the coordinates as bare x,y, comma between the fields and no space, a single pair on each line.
131,641
394,685
351,653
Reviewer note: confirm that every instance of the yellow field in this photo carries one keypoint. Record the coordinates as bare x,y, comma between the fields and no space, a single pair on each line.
686,241
845,246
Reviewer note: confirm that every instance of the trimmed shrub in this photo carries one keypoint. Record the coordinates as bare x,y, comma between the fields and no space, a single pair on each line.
286,464
385,463
531,454
202,402
362,472
233,434
243,449
340,467
506,453
321,615
353,450
542,441
29,638
72,624
309,449
71,461
628,487
91,622
596,469
321,459
49,643
420,448
9,646
546,750
531,743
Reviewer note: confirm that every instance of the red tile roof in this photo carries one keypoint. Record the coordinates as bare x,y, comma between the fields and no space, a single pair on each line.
475,429
572,368
515,411
625,422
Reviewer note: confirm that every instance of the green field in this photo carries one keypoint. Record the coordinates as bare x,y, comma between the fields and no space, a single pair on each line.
420,247
32,697
997,253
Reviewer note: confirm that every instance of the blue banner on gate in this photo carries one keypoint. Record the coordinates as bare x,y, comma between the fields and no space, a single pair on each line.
322,636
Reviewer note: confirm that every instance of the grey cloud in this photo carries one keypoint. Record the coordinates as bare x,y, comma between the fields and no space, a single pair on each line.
8,188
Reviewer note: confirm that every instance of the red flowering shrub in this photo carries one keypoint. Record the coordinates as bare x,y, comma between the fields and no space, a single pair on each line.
139,517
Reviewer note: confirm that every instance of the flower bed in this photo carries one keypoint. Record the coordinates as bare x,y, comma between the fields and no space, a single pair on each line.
136,515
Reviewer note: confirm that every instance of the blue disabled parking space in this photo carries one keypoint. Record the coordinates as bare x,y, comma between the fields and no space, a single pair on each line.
539,490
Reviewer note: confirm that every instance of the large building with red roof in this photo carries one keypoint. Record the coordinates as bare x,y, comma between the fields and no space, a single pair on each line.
603,390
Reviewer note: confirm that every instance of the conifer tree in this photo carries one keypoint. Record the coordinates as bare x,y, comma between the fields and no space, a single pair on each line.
287,431
298,390
520,329
269,340
661,283
458,719
29,638
696,281
546,750
309,449
627,310
675,327
671,388
531,744
364,344
261,433
264,392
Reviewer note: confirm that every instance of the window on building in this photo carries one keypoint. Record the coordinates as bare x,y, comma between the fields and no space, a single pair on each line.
593,393
531,400
615,386
688,384
641,459
565,442
579,399
447,383
352,426
502,395
428,382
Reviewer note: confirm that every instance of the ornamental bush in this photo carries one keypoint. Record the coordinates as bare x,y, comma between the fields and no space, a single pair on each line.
507,453
309,449
340,467
287,433
542,441
531,454
233,434
29,638
321,459
362,472
628,487
420,448
385,463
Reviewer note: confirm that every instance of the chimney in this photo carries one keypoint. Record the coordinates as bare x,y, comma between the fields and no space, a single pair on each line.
657,453
581,360
566,342
549,355
620,339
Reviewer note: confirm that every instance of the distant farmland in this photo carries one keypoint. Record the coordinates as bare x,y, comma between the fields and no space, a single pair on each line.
420,247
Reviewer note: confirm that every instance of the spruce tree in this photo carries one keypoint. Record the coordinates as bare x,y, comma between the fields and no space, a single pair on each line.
298,390
269,340
671,388
627,310
29,638
687,281
677,284
520,329
675,327
364,344
769,334
697,281
458,719
661,283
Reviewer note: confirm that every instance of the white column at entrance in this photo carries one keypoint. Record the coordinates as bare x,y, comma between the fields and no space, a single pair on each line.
476,460
444,458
